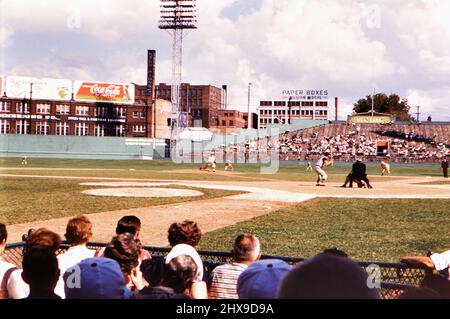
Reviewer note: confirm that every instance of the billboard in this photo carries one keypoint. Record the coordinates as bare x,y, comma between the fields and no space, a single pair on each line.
367,119
103,92
44,89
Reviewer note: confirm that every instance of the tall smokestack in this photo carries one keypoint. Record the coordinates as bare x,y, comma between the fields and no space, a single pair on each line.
151,94
151,67
336,106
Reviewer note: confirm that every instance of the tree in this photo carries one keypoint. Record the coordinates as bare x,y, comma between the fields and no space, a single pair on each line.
383,103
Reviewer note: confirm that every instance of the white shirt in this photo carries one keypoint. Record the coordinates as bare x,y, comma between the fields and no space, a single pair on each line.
211,159
17,288
441,261
4,267
70,258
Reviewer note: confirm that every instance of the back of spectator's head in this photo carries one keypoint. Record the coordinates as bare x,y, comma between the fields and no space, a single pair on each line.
40,268
125,249
129,224
246,248
179,273
3,234
186,232
327,276
78,230
44,238
261,279
94,278
420,293
336,251
437,283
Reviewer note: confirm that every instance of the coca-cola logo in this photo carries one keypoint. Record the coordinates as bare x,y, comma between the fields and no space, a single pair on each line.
107,91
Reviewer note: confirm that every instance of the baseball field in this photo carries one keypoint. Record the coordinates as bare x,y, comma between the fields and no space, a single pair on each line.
407,213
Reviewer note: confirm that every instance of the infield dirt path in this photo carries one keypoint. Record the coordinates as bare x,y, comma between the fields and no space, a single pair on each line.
262,198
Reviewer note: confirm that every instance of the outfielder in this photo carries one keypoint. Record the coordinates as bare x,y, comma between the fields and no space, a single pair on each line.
228,166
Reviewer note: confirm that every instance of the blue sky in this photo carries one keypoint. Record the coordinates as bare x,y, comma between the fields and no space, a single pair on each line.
347,47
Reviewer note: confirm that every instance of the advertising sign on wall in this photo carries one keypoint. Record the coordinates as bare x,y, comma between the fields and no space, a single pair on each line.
371,119
103,92
44,89
305,94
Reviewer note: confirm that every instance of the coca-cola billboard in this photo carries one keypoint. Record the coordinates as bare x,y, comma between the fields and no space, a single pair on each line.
103,92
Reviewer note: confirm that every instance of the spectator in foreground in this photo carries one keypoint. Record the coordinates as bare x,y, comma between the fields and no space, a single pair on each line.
178,278
224,278
437,283
6,268
125,249
41,272
99,278
327,276
440,262
17,288
419,293
262,279
128,224
78,233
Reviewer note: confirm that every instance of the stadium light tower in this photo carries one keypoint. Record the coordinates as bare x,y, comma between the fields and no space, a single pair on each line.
176,17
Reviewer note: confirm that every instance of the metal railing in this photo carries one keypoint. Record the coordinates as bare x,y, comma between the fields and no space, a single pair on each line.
395,277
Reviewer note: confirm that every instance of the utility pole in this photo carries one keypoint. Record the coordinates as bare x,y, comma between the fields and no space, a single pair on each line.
373,102
289,109
249,115
418,113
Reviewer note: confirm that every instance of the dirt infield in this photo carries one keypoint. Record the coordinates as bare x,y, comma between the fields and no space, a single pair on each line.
262,197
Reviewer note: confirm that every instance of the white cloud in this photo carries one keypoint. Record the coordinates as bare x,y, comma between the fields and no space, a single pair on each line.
347,47
6,34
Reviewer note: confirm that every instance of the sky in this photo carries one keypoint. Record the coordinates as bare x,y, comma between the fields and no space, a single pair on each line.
348,47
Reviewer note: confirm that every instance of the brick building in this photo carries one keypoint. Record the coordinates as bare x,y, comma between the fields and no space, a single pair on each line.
65,107
201,102
230,121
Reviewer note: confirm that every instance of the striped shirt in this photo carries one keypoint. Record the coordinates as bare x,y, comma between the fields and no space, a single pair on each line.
224,281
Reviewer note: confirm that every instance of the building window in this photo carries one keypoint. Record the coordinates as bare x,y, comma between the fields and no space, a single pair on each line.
321,103
325,113
62,128
265,103
4,127
5,107
82,110
139,128
224,123
307,103
101,111
42,128
120,112
231,123
99,130
280,103
23,127
81,129
136,115
43,108
120,130
22,107
62,109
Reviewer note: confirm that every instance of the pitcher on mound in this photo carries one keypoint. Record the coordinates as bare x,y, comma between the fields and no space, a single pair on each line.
326,160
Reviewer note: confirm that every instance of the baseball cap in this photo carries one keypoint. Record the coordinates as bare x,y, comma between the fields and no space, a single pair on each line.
261,279
100,278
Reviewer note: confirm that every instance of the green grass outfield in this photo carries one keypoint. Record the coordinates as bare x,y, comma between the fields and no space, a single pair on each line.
375,230
293,171
380,230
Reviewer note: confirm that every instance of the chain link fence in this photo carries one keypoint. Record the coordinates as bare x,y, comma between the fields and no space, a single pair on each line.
395,277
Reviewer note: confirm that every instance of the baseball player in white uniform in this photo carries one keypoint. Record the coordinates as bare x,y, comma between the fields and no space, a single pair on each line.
210,163
385,168
325,160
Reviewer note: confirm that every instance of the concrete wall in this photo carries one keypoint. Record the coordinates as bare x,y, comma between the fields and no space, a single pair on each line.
86,147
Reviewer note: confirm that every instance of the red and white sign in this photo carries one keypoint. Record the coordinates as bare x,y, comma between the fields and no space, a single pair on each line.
44,89
104,92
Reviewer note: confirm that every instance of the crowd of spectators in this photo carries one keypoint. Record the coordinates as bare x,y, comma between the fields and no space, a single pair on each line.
124,270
